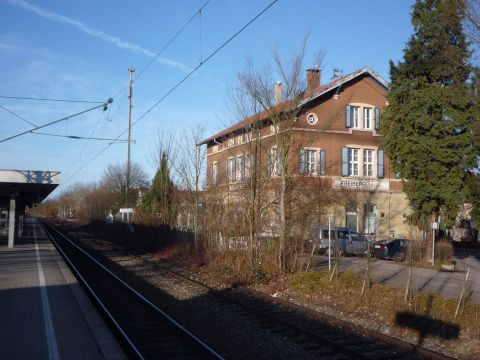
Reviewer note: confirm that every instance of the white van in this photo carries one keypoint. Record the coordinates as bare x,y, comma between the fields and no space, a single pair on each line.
349,242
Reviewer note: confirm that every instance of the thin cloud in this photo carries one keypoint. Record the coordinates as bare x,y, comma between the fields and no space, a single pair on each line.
95,33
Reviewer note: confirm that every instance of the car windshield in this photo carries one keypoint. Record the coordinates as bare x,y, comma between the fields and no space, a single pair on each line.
325,234
342,234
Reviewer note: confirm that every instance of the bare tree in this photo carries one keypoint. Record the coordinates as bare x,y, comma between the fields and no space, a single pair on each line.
114,181
191,170
255,95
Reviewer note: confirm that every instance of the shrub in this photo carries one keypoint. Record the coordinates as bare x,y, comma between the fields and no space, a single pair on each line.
444,251
417,250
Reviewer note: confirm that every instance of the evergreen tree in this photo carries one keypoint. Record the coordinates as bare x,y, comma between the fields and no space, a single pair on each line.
427,127
160,200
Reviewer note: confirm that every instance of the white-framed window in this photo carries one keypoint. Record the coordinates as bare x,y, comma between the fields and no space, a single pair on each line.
249,164
361,116
367,118
274,129
311,161
273,162
231,142
355,116
249,136
353,162
214,148
239,139
368,163
361,161
215,173
241,168
232,174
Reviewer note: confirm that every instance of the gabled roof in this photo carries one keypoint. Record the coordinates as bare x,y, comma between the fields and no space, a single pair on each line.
308,96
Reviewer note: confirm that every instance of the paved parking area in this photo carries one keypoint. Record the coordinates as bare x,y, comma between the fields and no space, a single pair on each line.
445,283
44,312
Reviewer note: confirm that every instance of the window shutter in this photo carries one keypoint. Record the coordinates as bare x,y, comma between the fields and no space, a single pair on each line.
377,119
348,116
322,162
234,169
380,163
210,169
302,161
345,164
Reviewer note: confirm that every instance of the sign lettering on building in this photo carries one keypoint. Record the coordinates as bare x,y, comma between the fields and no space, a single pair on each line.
360,184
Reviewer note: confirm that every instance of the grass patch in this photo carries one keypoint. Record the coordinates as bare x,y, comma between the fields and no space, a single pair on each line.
383,304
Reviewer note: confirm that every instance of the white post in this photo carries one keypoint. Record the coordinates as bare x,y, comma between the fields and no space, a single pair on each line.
435,224
329,247
433,246
11,221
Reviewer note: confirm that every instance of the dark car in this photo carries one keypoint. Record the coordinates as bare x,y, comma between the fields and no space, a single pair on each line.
395,249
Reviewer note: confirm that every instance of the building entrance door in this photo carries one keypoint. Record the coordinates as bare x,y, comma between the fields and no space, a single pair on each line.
370,221
351,217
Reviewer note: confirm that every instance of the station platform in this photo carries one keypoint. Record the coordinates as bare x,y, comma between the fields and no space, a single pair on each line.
44,312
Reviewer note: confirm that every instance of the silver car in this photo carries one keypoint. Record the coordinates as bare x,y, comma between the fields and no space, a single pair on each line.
349,242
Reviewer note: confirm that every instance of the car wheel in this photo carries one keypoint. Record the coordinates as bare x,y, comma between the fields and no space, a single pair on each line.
399,256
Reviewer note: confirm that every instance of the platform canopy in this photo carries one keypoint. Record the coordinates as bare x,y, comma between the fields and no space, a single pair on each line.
29,187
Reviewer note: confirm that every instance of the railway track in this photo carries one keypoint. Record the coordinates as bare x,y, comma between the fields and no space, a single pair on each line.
144,330
324,336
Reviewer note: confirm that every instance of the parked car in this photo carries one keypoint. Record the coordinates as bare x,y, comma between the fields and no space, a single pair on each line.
349,242
393,249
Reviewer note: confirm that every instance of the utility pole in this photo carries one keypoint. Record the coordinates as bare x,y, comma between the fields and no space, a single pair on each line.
130,85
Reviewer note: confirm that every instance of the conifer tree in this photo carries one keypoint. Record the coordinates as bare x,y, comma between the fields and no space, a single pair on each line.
427,127
160,200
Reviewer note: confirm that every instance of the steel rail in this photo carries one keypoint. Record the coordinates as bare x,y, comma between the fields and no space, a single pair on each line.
212,353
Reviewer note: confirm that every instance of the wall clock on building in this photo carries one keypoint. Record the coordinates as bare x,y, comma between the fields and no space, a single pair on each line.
312,119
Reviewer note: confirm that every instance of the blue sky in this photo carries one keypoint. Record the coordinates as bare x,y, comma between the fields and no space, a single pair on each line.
82,50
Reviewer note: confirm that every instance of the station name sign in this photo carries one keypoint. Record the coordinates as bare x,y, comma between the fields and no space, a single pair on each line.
361,184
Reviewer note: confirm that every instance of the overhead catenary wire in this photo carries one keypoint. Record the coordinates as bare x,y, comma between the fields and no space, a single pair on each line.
76,137
18,116
56,121
167,44
197,13
212,54
54,100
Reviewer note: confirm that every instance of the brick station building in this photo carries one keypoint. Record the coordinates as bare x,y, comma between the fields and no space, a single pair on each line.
335,141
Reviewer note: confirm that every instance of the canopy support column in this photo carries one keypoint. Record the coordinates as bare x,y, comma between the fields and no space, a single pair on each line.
11,220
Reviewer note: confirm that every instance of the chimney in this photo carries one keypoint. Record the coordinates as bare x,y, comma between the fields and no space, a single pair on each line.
313,78
278,92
